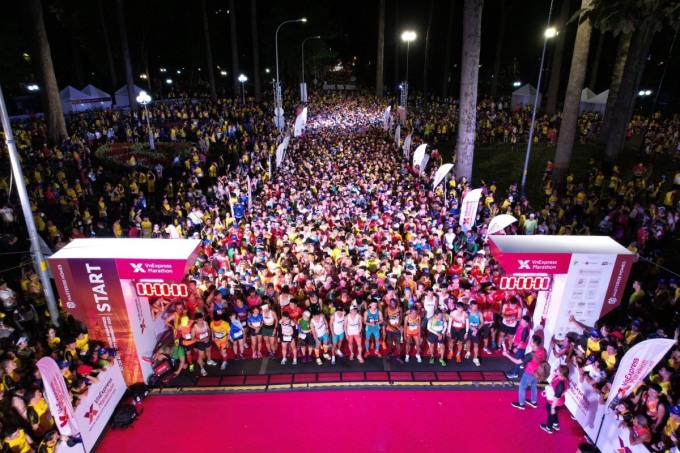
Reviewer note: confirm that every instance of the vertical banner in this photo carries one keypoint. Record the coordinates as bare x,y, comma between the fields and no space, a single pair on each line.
397,136
297,131
584,403
279,154
423,163
142,325
303,92
101,306
419,154
304,117
499,223
386,117
58,397
407,146
441,173
636,365
95,409
250,194
468,211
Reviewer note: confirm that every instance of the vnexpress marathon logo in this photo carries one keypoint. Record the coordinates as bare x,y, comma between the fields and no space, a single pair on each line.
537,265
153,268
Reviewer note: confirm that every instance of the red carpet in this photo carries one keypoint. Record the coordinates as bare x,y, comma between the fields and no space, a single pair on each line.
341,421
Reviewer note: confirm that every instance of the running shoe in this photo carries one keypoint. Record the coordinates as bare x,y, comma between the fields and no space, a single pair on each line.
431,360
351,357
295,361
476,361
377,353
203,372
360,359
465,347
516,405
406,359
512,376
556,426
418,358
318,361
384,345
283,361
211,362
333,361
487,350
326,356
339,353
450,355
242,357
546,428
467,356
224,366
442,362
458,358
494,345
532,404
191,367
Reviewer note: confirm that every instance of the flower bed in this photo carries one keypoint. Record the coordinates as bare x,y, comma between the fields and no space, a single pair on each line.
119,153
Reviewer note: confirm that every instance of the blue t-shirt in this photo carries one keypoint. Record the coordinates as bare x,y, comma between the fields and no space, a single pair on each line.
255,319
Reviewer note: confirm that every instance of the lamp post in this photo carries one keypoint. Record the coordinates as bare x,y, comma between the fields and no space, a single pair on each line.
243,79
550,32
278,103
407,37
303,85
144,99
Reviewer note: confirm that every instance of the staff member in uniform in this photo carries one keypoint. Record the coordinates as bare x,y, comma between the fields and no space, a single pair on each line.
554,393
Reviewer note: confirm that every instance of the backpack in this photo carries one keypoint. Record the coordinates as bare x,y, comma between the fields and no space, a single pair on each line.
542,372
138,391
124,416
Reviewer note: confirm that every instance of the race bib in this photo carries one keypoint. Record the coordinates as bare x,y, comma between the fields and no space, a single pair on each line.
394,322
302,335
219,335
238,334
255,324
187,336
287,338
203,336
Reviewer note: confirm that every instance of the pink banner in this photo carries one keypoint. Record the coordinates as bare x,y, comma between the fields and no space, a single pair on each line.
526,263
617,283
152,268
58,397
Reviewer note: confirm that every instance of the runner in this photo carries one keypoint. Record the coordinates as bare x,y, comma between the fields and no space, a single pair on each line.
255,321
200,333
488,332
458,326
287,331
220,336
320,331
510,314
337,323
269,328
394,330
436,328
237,335
412,327
187,339
474,332
306,337
373,320
353,328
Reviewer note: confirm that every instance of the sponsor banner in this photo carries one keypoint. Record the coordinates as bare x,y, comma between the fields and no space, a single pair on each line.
142,325
407,146
304,112
279,154
386,117
297,131
95,409
584,403
636,364
615,439
617,283
419,154
153,268
423,163
468,212
499,223
441,174
64,281
526,263
250,195
58,397
397,136
98,290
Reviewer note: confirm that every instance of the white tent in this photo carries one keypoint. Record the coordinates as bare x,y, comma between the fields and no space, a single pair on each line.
73,100
594,102
122,99
525,95
100,98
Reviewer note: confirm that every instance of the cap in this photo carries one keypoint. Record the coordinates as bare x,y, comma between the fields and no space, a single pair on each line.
595,333
84,369
306,314
184,321
637,323
675,410
63,363
353,307
21,340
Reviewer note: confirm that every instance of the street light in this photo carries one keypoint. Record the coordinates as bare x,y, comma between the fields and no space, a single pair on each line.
407,37
644,92
243,79
550,32
517,84
278,103
144,99
303,86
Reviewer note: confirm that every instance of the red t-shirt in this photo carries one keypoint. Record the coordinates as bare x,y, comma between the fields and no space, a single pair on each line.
539,355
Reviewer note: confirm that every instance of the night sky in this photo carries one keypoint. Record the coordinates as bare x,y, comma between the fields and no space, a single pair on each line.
169,34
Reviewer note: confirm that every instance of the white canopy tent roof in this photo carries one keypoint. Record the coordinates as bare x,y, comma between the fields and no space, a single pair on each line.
73,100
591,102
99,98
122,99
525,95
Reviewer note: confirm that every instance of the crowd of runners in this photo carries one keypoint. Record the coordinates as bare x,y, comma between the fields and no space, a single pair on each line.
346,252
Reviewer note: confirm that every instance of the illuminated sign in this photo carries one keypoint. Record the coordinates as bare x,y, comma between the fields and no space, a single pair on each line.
161,289
525,283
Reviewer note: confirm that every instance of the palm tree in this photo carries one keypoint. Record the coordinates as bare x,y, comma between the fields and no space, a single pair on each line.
234,45
614,84
208,52
427,48
380,60
127,63
54,116
107,47
556,68
499,47
577,75
256,49
447,55
467,116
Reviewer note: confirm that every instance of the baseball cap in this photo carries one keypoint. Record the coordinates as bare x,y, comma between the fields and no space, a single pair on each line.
595,333
21,340
306,314
675,410
63,363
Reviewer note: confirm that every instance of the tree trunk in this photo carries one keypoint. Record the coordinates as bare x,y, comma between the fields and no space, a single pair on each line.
556,69
427,49
208,52
447,55
54,116
380,60
127,63
592,84
256,50
397,41
640,43
467,117
499,48
109,53
234,46
615,85
75,49
577,74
